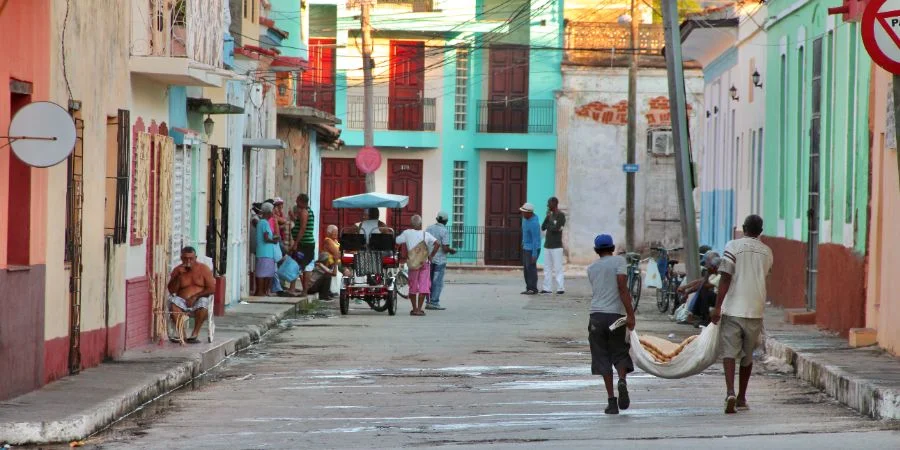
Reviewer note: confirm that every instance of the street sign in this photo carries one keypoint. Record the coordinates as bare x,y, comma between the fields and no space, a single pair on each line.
880,28
629,168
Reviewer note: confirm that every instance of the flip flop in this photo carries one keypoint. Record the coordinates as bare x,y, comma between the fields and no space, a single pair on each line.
730,402
193,340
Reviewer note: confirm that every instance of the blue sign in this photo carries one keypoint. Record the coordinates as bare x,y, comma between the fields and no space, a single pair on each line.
629,168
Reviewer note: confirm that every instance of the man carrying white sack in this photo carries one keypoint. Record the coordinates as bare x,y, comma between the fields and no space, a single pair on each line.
739,306
610,302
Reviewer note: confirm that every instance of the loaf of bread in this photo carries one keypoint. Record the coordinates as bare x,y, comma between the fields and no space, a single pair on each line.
663,350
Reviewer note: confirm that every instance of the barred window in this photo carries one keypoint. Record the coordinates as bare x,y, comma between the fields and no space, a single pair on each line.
459,201
462,80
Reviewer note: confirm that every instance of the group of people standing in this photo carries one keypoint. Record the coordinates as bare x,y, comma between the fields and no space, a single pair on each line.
426,280
282,246
552,226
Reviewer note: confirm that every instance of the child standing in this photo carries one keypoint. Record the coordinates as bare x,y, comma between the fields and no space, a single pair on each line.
610,302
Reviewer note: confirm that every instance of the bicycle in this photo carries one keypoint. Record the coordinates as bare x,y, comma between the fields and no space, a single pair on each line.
670,280
634,278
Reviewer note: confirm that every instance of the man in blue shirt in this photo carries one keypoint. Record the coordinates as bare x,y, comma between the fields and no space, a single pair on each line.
531,247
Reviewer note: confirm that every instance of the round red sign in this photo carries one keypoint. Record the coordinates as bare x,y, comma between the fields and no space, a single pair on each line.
368,159
881,33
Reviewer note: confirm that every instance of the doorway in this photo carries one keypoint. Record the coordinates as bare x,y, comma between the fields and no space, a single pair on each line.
340,178
405,178
407,85
505,193
508,89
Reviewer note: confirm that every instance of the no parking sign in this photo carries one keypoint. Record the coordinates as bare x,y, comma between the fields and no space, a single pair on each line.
881,33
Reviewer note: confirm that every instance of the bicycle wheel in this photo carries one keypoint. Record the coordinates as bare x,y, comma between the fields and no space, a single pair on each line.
636,286
662,297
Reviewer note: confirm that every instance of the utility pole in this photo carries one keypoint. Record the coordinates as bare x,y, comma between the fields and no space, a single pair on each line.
368,99
632,132
678,111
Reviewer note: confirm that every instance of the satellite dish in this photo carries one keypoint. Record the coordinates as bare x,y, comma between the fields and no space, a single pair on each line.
42,134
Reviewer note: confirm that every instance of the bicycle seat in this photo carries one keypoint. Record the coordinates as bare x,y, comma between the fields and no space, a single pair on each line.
672,262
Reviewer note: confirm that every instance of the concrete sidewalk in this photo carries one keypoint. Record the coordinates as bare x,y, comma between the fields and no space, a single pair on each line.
865,379
77,406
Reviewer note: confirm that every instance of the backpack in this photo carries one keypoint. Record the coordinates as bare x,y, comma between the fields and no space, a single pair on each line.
418,255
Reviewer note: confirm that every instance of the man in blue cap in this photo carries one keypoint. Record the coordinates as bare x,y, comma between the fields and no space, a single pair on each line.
610,302
531,247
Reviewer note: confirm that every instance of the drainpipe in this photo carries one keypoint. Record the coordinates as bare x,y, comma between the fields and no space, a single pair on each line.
108,257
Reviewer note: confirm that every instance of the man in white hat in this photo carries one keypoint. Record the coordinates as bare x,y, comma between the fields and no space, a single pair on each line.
531,247
439,263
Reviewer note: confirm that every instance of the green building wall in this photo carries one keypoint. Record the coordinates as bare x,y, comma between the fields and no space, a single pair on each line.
844,141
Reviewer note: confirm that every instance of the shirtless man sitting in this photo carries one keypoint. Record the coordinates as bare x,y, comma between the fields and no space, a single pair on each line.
191,286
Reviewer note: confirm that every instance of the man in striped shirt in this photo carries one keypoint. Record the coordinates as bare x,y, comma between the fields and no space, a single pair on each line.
303,234
739,306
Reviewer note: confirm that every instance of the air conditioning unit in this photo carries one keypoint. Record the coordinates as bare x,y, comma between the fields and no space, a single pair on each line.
660,143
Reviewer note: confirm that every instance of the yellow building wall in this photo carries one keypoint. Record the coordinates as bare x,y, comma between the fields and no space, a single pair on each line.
883,286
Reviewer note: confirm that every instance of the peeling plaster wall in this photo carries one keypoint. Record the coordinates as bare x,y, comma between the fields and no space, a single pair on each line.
592,129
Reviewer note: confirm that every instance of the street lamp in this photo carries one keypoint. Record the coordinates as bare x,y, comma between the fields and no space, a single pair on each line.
733,92
755,78
208,126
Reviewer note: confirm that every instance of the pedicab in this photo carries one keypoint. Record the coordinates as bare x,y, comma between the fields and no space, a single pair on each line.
374,264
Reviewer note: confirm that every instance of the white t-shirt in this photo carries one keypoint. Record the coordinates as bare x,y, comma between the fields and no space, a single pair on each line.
748,261
369,227
412,238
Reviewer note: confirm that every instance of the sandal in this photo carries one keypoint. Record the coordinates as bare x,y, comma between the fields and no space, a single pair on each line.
193,340
730,402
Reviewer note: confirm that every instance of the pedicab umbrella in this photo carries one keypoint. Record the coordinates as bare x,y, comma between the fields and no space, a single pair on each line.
691,357
371,200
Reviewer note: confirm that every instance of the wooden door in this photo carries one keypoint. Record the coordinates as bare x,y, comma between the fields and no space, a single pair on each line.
407,85
506,190
508,89
340,178
405,178
317,83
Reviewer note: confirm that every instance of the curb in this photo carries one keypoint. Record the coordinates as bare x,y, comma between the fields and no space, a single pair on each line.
85,423
863,395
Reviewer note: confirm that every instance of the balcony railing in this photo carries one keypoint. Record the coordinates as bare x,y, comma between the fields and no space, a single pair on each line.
417,5
587,40
389,114
516,116
192,29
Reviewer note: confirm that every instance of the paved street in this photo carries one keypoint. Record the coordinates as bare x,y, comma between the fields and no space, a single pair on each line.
496,368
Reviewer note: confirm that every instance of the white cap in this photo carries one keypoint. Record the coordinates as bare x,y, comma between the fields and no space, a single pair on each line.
528,207
442,215
267,208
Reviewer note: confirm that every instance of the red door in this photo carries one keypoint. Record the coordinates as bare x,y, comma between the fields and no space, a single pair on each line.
508,89
317,83
340,178
405,178
407,85
506,188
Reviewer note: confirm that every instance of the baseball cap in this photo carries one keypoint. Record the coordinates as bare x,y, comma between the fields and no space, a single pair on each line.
267,207
279,201
528,207
442,215
604,241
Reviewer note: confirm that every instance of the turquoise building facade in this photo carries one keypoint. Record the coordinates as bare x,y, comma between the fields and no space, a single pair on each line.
478,113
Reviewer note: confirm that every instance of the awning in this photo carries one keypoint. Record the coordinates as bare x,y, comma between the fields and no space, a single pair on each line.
308,115
206,106
264,144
